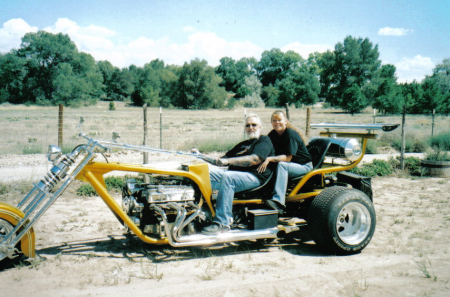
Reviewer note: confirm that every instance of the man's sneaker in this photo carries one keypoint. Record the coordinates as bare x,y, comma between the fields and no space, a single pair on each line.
272,204
215,229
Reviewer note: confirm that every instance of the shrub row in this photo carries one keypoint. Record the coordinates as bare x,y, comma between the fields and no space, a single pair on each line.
385,168
111,182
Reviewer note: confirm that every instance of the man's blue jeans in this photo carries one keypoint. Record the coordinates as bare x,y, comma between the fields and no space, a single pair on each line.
228,183
286,170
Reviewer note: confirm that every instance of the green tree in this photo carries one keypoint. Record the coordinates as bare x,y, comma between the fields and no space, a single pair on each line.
122,84
351,65
441,75
353,99
198,87
299,88
51,72
154,84
12,75
411,96
432,98
275,65
270,95
383,91
107,71
233,74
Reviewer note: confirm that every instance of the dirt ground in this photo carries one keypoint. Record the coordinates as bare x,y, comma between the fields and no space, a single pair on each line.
82,251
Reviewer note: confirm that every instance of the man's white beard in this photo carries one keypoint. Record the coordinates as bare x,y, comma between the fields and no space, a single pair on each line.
254,135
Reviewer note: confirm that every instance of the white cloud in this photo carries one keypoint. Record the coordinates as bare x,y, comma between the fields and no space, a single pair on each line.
189,29
386,31
88,39
12,32
414,69
99,42
305,49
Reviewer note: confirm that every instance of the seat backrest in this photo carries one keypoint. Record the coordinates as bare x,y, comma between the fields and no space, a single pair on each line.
318,148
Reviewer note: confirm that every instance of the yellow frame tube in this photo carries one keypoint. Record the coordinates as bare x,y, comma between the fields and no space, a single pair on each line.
93,173
294,196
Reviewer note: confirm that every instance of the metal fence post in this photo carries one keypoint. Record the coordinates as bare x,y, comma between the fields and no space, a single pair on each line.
160,127
402,155
60,125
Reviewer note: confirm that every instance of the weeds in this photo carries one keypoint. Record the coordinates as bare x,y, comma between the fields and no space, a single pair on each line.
212,270
426,271
35,262
114,277
151,273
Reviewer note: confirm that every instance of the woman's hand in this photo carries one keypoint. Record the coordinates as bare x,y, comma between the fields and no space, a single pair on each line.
262,167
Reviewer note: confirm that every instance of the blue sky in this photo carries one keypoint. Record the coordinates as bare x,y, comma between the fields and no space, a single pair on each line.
413,35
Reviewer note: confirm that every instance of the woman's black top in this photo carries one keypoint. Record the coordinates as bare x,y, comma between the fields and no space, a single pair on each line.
290,143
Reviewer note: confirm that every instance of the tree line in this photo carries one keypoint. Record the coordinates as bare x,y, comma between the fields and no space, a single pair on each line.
48,69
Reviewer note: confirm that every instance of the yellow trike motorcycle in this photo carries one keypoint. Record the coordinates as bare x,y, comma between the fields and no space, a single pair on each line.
331,205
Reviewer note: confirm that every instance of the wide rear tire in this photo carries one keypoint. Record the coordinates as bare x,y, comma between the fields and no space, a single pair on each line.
342,220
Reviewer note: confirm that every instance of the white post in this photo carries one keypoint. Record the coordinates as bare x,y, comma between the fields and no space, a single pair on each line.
160,127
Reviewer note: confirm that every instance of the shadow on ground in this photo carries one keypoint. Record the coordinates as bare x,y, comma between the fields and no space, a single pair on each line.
130,247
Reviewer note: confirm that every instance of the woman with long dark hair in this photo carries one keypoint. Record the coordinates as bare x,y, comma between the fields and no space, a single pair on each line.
291,155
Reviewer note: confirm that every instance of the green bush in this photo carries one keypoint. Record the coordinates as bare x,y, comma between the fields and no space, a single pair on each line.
437,154
411,145
412,164
114,182
111,182
384,168
86,190
441,141
376,168
112,106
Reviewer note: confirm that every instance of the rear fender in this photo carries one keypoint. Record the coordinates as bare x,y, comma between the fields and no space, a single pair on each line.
14,215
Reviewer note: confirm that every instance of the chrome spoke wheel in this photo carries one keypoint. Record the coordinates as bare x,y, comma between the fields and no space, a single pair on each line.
353,223
5,229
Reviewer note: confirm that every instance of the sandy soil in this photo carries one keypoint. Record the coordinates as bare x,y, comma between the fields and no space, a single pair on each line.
82,251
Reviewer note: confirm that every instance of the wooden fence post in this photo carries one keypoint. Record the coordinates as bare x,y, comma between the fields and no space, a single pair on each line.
432,123
287,112
402,154
308,120
60,125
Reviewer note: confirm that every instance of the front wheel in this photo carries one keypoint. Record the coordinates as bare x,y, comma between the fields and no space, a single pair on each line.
342,220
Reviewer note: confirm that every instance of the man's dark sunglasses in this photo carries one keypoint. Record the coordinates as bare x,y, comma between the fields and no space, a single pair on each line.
251,125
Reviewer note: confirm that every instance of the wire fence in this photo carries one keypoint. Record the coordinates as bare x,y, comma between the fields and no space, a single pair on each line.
32,129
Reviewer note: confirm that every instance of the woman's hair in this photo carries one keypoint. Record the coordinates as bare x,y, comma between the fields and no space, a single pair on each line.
289,125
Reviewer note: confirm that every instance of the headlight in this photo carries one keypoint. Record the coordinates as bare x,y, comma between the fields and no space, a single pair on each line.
54,152
347,148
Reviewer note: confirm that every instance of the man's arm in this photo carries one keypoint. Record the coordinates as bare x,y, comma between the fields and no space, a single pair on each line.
245,161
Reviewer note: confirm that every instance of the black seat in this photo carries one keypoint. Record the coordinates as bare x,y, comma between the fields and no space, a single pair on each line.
317,148
242,194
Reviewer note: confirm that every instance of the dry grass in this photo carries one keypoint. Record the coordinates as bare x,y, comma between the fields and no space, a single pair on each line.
31,129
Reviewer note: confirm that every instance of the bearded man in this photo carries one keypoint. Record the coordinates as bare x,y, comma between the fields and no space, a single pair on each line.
242,173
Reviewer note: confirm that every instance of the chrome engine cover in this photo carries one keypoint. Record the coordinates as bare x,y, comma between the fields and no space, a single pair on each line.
165,194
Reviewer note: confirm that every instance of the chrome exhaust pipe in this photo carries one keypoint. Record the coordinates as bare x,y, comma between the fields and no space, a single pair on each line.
202,239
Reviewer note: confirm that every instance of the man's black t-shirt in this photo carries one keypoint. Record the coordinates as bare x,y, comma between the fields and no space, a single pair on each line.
290,143
261,147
